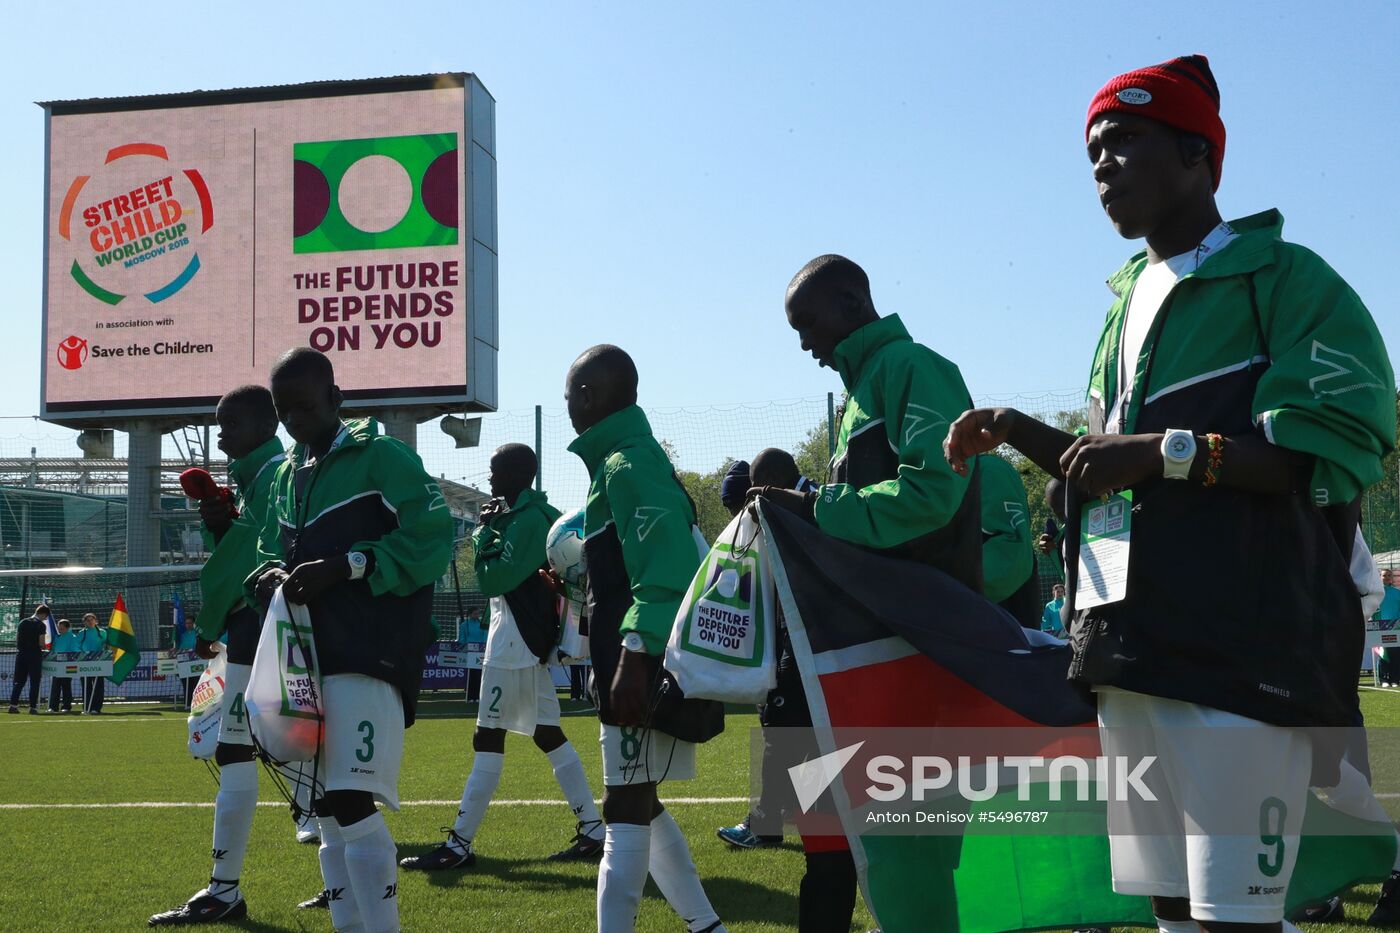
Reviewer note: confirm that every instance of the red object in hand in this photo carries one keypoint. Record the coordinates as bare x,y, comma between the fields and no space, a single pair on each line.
198,484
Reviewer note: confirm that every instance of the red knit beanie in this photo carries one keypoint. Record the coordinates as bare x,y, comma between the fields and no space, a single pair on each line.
1181,93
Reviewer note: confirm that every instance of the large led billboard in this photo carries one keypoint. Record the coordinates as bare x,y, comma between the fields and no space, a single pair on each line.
192,238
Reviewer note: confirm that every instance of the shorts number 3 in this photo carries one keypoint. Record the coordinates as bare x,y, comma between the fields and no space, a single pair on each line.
366,729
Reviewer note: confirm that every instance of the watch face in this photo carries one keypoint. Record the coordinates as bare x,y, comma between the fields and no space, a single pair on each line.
1179,447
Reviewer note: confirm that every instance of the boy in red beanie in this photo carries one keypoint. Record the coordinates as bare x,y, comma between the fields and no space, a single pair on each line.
1240,400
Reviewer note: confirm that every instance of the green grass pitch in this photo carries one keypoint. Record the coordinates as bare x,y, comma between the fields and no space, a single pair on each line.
109,868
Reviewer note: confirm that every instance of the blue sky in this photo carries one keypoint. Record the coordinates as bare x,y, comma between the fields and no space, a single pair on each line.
664,169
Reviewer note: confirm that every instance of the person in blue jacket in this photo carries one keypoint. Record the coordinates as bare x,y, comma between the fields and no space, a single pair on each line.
61,690
92,640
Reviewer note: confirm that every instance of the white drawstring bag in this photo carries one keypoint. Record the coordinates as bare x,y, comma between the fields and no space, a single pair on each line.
573,637
283,699
723,644
207,706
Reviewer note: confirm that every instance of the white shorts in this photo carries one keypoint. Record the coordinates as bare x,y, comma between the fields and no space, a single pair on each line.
363,744
1234,789
233,719
517,699
627,759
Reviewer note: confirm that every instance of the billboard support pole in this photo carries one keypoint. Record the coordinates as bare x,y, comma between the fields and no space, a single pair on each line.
401,425
142,525
539,452
830,428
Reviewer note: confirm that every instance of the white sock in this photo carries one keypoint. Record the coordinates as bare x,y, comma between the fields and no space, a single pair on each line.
303,799
1177,926
573,781
481,786
345,913
371,859
234,806
1290,928
622,876
674,872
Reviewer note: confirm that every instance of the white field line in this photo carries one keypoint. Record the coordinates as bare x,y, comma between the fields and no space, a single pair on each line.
208,804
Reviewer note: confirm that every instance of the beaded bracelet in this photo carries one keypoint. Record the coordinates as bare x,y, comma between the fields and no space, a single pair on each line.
1215,445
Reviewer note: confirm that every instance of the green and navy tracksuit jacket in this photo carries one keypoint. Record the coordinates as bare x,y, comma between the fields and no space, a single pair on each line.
891,489
1008,560
509,551
236,554
640,541
369,493
1236,600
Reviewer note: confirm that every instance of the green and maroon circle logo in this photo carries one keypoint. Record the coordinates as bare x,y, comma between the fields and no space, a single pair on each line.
135,224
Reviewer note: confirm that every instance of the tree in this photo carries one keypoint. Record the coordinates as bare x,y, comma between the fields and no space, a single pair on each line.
466,566
1380,505
703,488
1036,479
813,455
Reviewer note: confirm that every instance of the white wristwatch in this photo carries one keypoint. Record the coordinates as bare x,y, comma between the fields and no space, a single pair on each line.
1178,451
633,642
359,563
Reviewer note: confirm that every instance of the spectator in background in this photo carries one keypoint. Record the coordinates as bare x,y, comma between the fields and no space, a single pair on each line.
1386,661
29,657
785,704
92,640
185,638
1050,620
472,630
61,688
734,486
1052,540
578,681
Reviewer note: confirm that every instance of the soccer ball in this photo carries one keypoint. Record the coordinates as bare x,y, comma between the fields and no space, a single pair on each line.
563,546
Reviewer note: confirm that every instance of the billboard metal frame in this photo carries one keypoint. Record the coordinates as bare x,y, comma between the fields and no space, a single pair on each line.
478,393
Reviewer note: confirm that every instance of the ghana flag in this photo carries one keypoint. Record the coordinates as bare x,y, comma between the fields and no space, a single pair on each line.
886,645
121,638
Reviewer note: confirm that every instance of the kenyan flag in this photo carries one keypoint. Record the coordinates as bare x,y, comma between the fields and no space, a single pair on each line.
893,647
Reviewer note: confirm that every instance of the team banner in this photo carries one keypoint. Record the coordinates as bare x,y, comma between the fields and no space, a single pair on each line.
74,664
914,682
191,239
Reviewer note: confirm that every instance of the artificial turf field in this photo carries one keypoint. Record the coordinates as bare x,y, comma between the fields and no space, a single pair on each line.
144,847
